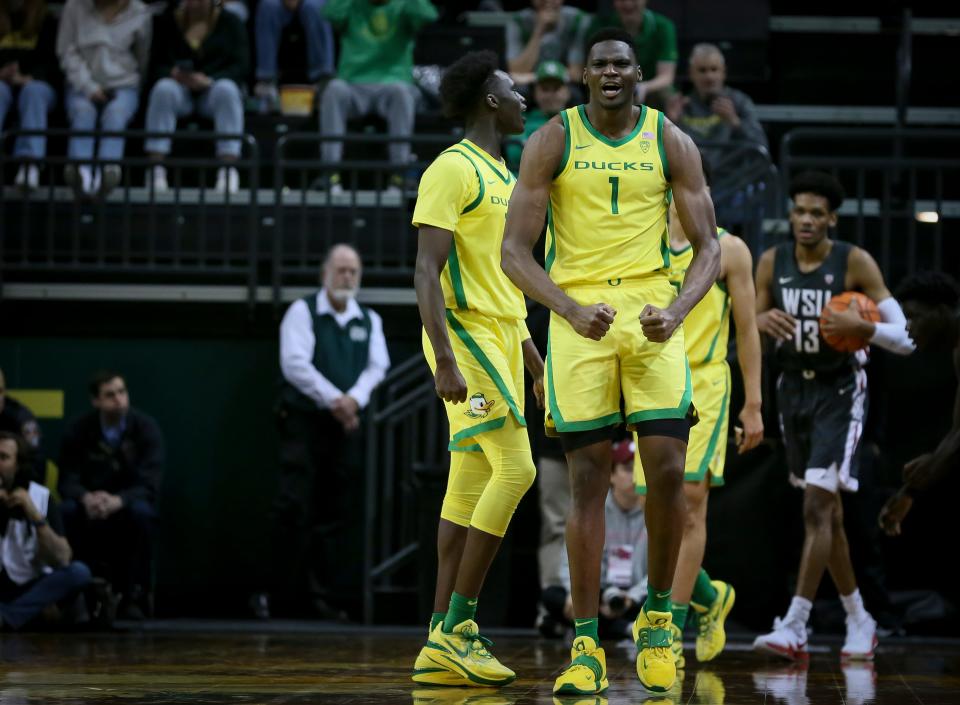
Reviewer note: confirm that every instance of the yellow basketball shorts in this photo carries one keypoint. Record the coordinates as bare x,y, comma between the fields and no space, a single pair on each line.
707,447
587,379
489,354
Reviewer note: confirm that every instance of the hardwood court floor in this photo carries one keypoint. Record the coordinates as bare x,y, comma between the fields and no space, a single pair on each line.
359,666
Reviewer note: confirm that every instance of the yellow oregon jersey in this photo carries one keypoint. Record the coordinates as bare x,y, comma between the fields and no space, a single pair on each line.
466,191
607,219
706,328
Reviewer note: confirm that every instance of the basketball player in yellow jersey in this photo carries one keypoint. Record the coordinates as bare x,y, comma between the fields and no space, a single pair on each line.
476,343
601,173
705,333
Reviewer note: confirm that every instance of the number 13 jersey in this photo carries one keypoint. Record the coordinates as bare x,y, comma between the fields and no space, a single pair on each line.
803,295
607,217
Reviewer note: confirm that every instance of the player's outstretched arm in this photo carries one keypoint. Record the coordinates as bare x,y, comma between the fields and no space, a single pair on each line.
695,209
738,271
525,216
433,248
890,333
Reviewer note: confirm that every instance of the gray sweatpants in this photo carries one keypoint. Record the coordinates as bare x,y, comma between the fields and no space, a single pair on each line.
342,101
553,483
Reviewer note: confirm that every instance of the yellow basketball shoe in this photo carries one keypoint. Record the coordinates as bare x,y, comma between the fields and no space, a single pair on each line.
653,636
709,688
587,672
711,637
677,647
459,658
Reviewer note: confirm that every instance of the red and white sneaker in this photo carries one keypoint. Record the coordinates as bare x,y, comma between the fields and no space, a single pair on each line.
788,639
861,639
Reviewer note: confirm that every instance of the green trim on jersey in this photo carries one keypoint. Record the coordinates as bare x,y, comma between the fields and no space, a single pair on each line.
505,179
582,111
566,144
552,254
487,366
662,148
713,343
455,277
479,199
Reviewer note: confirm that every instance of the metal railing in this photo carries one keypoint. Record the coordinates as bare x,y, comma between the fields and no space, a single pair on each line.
188,231
406,433
904,209
369,214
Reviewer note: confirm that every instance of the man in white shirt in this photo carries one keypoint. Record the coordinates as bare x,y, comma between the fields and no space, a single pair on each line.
332,356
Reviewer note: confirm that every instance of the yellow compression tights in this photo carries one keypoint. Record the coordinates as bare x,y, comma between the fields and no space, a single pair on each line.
484,488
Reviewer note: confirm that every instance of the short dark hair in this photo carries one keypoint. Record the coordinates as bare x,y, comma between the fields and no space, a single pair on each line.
24,451
819,183
930,288
610,34
464,82
100,378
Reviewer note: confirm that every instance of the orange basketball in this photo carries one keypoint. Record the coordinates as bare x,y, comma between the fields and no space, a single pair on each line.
841,302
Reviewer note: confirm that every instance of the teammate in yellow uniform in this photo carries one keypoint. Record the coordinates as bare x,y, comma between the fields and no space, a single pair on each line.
705,333
476,343
602,173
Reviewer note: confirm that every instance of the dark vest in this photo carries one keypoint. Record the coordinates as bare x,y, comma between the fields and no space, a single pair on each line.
803,296
340,354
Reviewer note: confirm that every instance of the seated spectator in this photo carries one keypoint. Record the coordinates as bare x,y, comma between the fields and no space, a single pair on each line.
272,17
714,112
103,47
546,31
374,75
16,418
36,570
28,71
200,59
623,567
111,461
551,94
655,41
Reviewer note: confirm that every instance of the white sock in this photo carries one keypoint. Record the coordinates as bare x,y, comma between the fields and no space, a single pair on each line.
799,611
853,604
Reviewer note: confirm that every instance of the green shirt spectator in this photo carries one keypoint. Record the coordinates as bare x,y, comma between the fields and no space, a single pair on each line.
551,94
376,37
655,39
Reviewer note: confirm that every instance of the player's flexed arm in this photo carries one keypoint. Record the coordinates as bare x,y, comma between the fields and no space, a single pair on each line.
528,207
695,209
433,248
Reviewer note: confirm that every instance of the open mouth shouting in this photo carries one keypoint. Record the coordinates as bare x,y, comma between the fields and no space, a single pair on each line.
610,89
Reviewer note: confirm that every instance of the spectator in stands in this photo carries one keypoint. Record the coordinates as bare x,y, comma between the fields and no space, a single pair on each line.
36,570
28,71
103,47
17,418
551,94
546,31
623,566
272,17
655,41
374,75
332,356
111,461
714,112
200,59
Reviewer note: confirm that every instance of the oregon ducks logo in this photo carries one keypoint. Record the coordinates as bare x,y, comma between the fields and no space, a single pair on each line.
479,406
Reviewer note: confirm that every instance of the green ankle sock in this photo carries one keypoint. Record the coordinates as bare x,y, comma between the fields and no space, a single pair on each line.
587,627
704,594
680,615
435,619
657,601
461,609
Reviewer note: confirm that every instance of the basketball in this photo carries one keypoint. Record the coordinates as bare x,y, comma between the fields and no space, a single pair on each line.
840,302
